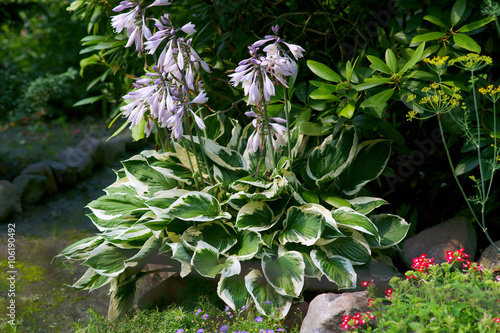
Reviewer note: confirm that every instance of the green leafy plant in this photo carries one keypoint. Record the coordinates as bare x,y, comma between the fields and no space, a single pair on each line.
262,208
455,296
442,99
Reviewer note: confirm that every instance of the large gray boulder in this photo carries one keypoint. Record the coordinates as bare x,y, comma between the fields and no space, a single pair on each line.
451,235
64,175
326,311
43,169
10,200
491,257
32,188
93,148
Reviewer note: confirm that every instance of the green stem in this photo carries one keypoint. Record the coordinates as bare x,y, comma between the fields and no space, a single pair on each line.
484,198
287,117
162,140
190,164
194,149
269,137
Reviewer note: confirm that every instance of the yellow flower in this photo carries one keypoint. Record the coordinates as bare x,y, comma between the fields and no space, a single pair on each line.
471,62
411,115
490,92
438,64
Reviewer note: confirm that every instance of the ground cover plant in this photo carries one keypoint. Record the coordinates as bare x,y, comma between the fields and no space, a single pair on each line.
456,296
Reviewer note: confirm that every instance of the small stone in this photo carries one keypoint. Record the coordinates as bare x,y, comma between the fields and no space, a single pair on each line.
451,235
44,170
326,311
491,257
93,148
64,175
31,187
10,200
75,158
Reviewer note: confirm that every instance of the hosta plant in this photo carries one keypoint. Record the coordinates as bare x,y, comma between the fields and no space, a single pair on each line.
262,207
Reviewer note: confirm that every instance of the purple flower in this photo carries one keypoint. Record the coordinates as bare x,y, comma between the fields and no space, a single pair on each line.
258,319
201,330
224,328
197,312
180,330
205,316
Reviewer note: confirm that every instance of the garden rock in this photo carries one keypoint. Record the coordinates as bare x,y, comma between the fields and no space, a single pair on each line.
31,187
490,257
64,175
451,235
44,170
326,311
76,159
10,201
94,148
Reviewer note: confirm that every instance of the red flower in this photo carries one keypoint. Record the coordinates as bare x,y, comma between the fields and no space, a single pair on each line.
496,320
367,283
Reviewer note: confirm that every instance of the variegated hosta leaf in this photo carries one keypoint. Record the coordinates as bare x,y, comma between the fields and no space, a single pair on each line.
197,206
392,230
150,247
162,200
144,178
111,206
329,235
247,245
128,238
337,269
354,248
91,280
121,188
237,200
223,156
108,260
82,248
122,297
310,269
302,225
217,234
329,159
172,170
246,183
371,159
365,205
266,299
207,262
224,176
126,220
255,216
233,292
182,255
350,218
285,273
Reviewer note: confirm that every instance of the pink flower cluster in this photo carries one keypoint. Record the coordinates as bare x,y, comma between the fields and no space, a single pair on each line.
356,321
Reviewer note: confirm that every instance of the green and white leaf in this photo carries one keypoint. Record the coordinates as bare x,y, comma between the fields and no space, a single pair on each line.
285,273
337,269
233,292
392,230
371,159
108,260
111,206
255,216
144,178
247,245
150,247
162,200
81,249
302,225
365,205
266,299
334,155
197,206
223,156
219,235
348,217
182,255
206,261
354,248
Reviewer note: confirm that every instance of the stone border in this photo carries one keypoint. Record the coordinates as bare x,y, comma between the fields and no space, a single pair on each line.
63,172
